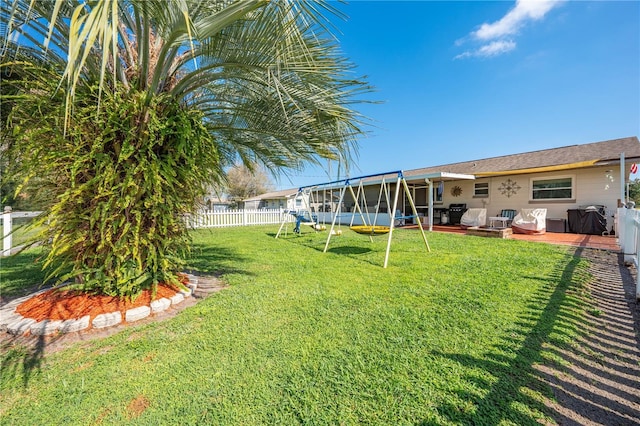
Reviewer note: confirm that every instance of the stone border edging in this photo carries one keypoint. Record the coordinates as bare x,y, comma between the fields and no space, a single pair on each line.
13,323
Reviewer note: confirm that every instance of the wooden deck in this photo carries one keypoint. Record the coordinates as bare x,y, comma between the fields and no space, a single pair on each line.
576,240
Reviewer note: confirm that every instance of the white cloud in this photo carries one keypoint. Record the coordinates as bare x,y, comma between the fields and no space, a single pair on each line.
497,36
497,48
494,48
510,23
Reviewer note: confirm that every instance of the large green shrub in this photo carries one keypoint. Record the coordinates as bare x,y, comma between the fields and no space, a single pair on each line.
124,177
122,111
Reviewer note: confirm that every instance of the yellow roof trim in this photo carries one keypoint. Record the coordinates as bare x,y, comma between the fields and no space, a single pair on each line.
578,165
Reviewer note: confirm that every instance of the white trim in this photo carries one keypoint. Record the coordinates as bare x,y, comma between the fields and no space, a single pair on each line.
475,187
441,176
546,178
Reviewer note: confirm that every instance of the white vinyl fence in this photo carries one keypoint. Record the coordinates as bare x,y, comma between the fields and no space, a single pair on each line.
208,219
7,227
628,225
228,218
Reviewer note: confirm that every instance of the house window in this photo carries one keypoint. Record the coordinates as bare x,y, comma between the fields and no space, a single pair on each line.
560,188
437,194
481,190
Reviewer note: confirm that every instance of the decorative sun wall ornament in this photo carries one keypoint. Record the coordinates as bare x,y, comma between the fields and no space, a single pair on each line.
509,188
456,191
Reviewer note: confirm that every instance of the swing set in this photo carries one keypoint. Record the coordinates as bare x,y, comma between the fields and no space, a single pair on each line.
369,223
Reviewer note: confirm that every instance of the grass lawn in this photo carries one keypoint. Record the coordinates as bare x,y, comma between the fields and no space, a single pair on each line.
441,338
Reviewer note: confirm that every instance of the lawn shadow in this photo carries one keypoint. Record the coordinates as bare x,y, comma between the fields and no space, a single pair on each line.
349,250
352,251
216,261
22,355
21,359
21,274
522,376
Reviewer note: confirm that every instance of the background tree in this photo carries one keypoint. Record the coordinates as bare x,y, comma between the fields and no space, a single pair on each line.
243,183
157,98
634,191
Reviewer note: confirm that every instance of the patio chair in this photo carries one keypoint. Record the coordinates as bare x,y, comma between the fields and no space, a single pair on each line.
473,217
509,213
530,221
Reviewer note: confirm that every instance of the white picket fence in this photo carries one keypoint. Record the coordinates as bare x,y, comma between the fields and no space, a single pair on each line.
208,219
7,227
228,218
628,226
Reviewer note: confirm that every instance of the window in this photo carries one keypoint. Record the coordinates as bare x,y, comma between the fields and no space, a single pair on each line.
481,189
437,194
552,189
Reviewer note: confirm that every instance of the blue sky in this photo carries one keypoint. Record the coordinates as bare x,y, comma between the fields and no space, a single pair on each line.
470,80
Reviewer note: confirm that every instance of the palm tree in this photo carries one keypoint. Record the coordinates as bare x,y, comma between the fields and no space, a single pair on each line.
130,108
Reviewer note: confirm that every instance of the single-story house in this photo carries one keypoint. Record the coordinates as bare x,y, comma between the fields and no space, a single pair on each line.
284,199
212,202
560,180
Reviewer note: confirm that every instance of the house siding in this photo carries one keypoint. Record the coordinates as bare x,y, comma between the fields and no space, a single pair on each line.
593,186
593,167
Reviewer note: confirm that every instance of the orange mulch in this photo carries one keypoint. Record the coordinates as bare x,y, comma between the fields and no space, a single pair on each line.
57,304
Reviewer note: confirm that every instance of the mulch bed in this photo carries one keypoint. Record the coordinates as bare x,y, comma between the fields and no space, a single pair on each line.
60,304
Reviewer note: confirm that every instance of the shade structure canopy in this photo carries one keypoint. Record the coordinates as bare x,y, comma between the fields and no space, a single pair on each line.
441,176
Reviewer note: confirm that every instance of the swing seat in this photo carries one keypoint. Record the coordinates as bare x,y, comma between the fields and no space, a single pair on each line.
400,219
370,230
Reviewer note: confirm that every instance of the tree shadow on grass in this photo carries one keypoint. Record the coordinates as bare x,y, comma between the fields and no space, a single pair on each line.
215,260
512,397
22,356
19,359
20,275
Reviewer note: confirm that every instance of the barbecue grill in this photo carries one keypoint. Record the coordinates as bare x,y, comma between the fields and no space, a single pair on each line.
455,213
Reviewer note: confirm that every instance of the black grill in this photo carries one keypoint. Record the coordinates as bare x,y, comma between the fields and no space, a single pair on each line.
455,213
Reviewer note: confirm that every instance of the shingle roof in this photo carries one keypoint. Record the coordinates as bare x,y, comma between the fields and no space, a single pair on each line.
274,195
597,152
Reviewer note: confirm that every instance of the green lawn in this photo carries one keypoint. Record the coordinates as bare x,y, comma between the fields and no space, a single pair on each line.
305,337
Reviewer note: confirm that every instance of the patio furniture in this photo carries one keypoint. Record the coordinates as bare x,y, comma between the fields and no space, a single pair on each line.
473,217
530,221
557,224
505,218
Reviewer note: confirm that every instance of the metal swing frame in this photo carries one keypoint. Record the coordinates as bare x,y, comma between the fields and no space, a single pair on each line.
347,185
